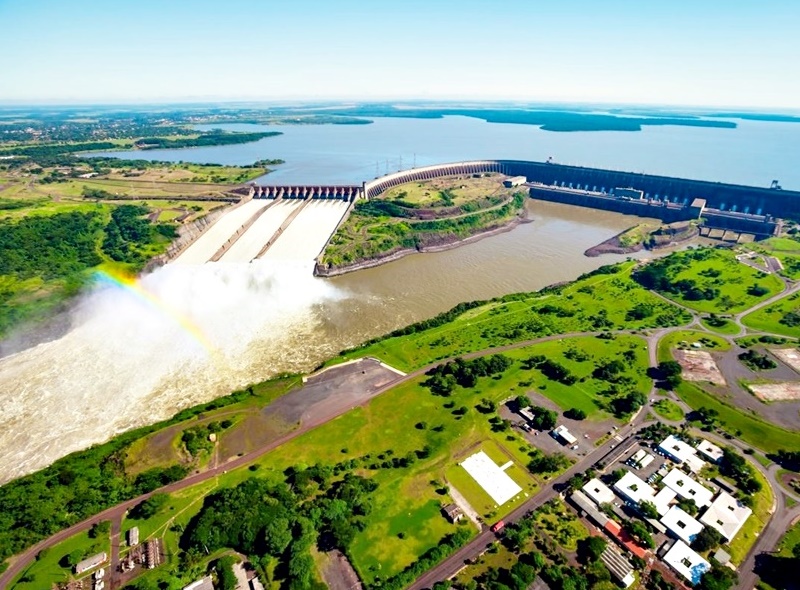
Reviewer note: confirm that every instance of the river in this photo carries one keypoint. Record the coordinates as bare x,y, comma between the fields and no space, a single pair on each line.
203,330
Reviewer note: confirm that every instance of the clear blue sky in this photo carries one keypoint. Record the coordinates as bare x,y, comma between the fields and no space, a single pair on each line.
688,52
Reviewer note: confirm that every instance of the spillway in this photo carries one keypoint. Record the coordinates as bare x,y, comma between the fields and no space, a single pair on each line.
250,244
308,233
204,248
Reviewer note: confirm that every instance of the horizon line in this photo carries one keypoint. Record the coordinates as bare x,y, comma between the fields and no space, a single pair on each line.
290,101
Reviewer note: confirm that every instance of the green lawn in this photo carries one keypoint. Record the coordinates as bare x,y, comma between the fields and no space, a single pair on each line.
668,409
717,270
688,339
408,499
748,534
754,431
458,477
782,317
561,525
47,571
594,304
723,326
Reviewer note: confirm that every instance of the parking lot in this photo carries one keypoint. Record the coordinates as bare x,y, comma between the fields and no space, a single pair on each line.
586,432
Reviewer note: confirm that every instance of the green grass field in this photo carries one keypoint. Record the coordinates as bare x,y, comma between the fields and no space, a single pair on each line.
785,249
561,524
746,427
597,303
719,270
458,477
408,499
723,326
688,339
782,317
748,534
754,431
668,409
47,570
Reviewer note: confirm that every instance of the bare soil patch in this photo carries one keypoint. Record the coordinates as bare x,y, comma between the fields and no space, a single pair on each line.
776,392
789,356
699,365
338,573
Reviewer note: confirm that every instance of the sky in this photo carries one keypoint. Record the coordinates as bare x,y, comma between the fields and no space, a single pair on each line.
726,53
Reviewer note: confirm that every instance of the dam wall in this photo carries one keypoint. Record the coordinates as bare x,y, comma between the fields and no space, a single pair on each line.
341,192
735,198
667,212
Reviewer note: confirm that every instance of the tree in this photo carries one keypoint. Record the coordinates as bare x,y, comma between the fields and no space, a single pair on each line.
74,557
688,505
591,548
150,507
638,530
547,463
522,401
707,539
226,579
648,509
575,414
99,529
718,578
544,419
669,369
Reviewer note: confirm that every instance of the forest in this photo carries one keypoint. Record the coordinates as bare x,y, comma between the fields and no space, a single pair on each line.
210,138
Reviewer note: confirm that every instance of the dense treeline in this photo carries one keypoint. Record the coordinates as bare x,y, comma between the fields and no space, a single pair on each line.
27,246
73,488
203,140
279,523
79,485
442,379
128,233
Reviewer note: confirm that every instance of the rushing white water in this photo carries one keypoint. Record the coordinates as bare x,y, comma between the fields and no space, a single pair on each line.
128,361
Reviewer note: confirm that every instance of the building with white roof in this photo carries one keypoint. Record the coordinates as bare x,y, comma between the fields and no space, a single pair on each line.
663,499
599,492
710,451
641,459
634,489
681,453
564,434
686,487
686,562
681,524
726,514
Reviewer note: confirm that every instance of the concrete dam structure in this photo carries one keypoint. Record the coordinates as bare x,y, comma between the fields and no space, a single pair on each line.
295,222
289,226
740,208
344,192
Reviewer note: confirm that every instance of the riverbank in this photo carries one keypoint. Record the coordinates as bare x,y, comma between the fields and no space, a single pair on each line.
640,237
455,242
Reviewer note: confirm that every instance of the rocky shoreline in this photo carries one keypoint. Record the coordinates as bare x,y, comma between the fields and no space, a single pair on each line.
321,271
663,237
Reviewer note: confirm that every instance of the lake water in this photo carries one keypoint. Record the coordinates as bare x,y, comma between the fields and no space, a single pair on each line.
127,362
755,153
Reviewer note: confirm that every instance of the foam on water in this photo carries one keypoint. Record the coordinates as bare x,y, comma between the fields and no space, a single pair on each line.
126,363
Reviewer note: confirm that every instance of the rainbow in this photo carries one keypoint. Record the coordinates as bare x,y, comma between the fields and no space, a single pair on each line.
131,285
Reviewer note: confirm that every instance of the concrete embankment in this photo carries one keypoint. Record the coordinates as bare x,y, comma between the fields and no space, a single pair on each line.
305,235
322,271
210,242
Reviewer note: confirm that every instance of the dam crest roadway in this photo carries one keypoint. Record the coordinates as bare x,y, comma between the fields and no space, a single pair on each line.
295,222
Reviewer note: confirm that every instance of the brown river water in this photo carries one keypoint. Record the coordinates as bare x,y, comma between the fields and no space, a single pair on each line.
204,330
